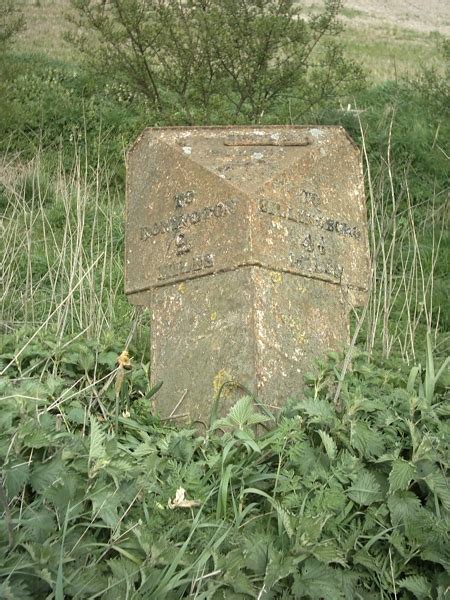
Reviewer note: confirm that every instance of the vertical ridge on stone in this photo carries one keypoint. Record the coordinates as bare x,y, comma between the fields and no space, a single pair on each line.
250,246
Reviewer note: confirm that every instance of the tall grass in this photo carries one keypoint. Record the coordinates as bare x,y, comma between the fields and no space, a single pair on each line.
405,239
61,258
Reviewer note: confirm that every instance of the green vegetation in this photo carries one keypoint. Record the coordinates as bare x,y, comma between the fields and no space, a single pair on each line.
229,61
11,22
342,495
392,53
335,500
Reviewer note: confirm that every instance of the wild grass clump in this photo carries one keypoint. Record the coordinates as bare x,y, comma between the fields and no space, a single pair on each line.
410,245
62,248
346,501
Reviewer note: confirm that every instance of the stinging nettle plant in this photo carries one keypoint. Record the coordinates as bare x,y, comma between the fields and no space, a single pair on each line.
205,60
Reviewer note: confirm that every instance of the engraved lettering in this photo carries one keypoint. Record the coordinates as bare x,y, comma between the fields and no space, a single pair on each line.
231,205
184,267
321,245
281,211
208,261
329,225
197,263
307,243
304,217
181,244
145,234
195,217
311,264
186,220
182,199
207,212
291,215
219,210
310,196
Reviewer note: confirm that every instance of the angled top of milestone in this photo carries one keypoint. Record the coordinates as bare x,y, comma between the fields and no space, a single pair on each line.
202,200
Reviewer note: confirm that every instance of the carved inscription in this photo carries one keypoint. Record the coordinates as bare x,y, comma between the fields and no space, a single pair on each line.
310,244
183,267
182,245
311,263
182,199
186,220
313,257
299,215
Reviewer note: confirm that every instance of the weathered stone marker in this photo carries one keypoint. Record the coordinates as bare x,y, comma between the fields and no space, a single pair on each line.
250,246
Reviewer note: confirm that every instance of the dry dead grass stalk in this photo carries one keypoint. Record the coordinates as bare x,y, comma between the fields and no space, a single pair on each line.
58,265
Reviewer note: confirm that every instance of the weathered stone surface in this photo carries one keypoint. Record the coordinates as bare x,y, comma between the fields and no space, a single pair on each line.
250,245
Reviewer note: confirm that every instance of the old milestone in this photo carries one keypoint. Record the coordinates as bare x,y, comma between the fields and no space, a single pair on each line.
250,247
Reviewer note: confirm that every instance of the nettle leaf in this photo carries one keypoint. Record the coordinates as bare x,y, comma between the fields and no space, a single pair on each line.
256,554
37,438
364,558
76,413
242,415
317,581
329,552
367,441
365,490
54,384
239,582
15,590
105,504
329,444
16,476
417,585
109,359
333,498
46,474
347,466
401,474
123,569
279,567
97,448
403,506
318,411
39,525
438,484
8,413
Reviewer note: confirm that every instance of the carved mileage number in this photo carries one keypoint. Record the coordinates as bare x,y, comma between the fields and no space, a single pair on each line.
310,244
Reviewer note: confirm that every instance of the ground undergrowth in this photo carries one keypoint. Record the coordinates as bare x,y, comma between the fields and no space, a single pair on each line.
338,498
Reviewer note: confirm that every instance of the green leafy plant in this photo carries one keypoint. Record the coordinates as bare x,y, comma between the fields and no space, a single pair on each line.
232,61
327,503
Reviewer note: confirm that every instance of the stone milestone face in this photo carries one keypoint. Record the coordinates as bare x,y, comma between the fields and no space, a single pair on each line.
250,246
